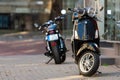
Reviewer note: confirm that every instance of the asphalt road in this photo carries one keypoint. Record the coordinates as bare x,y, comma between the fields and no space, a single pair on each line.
22,47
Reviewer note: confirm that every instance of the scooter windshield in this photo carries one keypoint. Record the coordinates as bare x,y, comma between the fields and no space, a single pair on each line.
52,27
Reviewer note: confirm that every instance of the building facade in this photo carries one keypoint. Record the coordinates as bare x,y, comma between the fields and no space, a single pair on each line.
20,14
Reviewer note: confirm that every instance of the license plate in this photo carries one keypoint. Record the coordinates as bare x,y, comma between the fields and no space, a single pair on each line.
52,37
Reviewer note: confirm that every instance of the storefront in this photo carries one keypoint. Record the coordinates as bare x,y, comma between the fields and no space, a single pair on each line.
112,20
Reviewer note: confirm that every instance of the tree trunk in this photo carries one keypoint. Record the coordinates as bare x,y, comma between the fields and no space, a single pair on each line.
56,8
56,11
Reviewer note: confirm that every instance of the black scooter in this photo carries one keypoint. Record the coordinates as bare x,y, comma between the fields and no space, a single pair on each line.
85,40
56,48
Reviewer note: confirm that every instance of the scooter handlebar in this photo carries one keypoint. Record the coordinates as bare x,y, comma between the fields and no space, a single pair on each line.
80,11
59,18
43,26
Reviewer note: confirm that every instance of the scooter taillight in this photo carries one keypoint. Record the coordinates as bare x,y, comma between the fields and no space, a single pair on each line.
53,43
52,31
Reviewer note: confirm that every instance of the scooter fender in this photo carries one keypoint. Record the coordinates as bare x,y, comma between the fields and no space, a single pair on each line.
89,46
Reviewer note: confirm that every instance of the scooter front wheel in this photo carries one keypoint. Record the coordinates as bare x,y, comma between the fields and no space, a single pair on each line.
88,63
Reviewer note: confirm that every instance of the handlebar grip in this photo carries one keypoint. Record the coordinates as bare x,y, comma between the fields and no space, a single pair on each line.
40,28
69,9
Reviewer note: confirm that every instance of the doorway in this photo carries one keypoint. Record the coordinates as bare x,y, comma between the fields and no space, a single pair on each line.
4,21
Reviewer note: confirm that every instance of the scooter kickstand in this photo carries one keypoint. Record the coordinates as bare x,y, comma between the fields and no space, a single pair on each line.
49,60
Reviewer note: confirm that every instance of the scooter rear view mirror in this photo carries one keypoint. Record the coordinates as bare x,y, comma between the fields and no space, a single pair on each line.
101,8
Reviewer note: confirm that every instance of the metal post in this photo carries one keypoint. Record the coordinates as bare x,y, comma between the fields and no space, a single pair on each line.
84,4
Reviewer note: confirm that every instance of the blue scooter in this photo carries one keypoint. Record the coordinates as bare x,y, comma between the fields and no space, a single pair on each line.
56,48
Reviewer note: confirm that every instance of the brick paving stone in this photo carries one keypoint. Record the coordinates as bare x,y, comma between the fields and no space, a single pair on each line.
12,69
23,60
25,47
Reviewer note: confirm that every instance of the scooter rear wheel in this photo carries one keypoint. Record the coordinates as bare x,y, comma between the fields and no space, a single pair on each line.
88,63
63,57
56,55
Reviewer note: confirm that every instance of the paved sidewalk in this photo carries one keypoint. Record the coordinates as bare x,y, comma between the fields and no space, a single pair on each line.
33,67
23,60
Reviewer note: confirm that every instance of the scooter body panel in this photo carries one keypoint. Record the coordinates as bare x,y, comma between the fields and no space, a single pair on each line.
88,46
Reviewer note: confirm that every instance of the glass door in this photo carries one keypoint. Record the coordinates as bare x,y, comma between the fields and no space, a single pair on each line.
4,21
112,20
117,19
